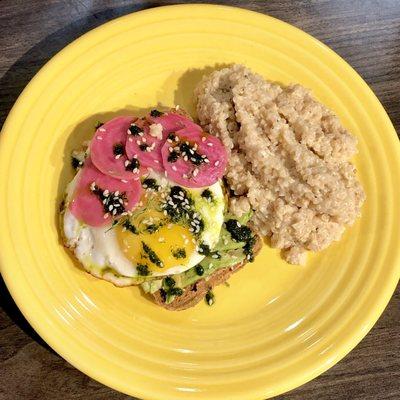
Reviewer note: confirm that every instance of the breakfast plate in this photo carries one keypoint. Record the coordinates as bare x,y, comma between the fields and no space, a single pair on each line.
277,325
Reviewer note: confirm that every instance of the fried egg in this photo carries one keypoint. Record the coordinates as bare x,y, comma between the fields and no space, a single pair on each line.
163,235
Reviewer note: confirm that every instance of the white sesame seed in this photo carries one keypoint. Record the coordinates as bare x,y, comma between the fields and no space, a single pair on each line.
203,138
135,156
161,239
214,256
210,144
157,162
165,212
216,163
118,156
176,139
177,107
173,167
106,192
238,224
186,158
130,139
102,130
165,173
144,140
186,241
170,149
126,163
195,172
116,193
206,160
191,230
124,181
106,215
99,138
184,176
138,142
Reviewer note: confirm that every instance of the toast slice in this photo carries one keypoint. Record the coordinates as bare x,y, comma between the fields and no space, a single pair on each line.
194,293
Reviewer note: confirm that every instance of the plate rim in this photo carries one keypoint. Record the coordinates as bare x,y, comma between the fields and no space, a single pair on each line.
343,347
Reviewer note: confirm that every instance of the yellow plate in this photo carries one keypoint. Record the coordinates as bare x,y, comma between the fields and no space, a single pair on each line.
278,325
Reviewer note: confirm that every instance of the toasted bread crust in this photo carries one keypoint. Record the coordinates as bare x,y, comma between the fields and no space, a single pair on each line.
195,293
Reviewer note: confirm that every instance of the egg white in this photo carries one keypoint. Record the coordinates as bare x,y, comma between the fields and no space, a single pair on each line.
98,250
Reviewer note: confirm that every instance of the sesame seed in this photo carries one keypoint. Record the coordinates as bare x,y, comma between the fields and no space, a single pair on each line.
106,215
116,193
176,139
169,140
191,230
106,193
165,212
206,160
186,158
173,168
170,149
203,138
214,256
165,173
157,162
186,241
216,163
99,138
210,265
161,239
238,224
203,156
124,181
130,139
195,172
144,140
114,212
210,144
118,156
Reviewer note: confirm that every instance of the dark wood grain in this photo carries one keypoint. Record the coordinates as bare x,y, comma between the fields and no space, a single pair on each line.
366,33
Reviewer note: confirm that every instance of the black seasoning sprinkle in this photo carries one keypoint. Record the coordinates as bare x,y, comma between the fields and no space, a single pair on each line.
241,233
143,146
129,227
142,269
150,183
204,249
76,163
113,202
132,165
98,125
135,130
169,282
179,253
175,291
199,270
189,151
207,194
152,255
173,157
118,149
210,298
171,136
152,228
156,113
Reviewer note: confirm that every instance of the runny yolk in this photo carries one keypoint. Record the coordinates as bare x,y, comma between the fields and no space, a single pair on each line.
172,244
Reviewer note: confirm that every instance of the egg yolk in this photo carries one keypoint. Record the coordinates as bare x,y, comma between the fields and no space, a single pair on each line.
156,243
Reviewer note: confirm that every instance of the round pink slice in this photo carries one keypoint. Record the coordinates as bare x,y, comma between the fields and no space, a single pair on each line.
88,207
107,149
185,172
145,147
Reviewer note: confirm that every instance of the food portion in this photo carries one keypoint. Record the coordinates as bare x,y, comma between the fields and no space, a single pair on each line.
288,159
147,207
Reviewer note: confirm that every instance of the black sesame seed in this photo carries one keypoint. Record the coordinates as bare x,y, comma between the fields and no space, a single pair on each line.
76,163
118,149
171,136
207,194
199,270
143,146
173,157
135,130
150,183
155,113
133,164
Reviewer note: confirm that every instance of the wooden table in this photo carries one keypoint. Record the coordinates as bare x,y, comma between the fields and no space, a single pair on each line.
366,33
